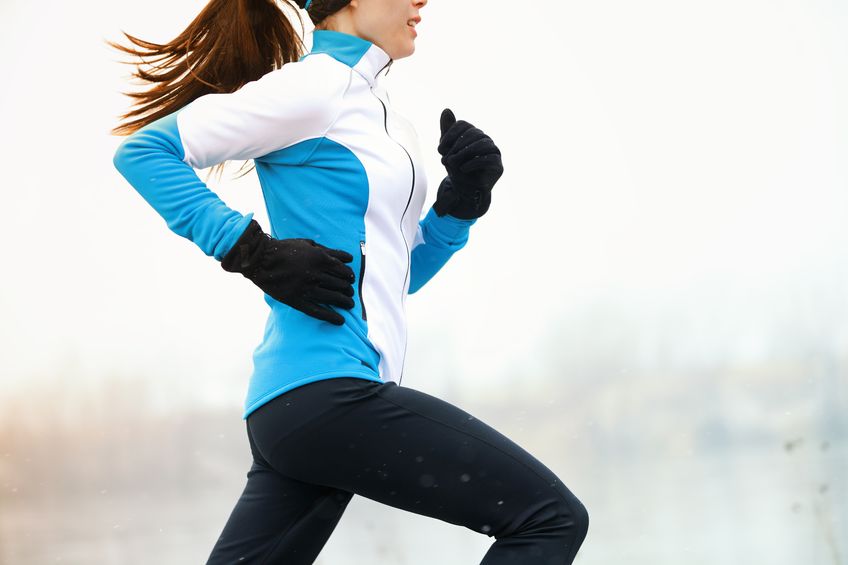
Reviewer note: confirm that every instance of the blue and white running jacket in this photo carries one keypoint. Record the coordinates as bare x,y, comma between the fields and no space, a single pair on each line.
337,165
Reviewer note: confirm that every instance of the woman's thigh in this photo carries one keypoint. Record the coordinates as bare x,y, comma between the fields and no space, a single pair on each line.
410,450
278,519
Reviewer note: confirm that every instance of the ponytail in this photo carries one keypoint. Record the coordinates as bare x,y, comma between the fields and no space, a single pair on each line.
230,43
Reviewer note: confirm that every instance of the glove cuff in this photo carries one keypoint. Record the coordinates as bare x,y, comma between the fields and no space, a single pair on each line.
460,205
245,255
445,198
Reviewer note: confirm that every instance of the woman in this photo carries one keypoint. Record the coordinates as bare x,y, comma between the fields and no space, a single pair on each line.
342,178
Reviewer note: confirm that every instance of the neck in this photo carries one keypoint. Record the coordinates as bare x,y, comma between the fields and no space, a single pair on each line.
342,21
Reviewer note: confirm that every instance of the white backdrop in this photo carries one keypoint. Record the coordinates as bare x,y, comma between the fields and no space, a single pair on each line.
670,225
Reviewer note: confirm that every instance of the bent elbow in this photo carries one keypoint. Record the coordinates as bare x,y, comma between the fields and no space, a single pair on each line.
121,156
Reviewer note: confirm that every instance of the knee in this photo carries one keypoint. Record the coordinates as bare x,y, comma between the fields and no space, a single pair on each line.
576,517
569,517
572,524
561,516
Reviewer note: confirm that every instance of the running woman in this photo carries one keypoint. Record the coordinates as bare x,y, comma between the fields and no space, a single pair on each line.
344,185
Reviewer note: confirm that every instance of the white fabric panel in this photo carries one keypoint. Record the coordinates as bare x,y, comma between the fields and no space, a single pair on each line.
282,108
419,238
394,207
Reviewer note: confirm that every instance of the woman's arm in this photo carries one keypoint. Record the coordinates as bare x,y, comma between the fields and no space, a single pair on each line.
473,163
153,162
286,106
438,238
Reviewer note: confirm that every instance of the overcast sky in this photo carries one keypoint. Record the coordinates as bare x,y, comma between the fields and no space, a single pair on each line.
665,160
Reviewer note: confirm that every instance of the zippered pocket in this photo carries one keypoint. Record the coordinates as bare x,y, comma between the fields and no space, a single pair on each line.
362,276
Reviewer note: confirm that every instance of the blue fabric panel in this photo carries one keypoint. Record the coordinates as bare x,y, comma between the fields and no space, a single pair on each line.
345,47
151,160
443,236
325,202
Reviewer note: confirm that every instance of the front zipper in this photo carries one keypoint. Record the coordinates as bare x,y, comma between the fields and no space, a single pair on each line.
411,188
361,276
411,191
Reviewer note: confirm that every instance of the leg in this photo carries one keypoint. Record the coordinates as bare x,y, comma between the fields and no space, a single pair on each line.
410,450
278,519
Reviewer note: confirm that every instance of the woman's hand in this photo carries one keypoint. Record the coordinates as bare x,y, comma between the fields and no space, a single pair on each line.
473,163
298,272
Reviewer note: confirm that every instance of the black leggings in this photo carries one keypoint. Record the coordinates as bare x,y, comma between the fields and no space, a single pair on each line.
317,445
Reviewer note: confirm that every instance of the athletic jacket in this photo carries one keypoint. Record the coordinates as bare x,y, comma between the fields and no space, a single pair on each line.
337,165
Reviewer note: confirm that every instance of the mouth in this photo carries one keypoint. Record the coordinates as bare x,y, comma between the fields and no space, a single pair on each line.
411,23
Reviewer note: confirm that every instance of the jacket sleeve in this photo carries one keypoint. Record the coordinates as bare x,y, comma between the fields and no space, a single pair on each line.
437,239
283,107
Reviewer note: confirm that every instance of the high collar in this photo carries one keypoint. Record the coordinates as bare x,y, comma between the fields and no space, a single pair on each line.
363,56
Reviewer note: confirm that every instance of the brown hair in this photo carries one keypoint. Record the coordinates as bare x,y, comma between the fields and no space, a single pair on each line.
229,43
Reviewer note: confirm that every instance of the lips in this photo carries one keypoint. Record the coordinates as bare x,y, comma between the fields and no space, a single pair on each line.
412,22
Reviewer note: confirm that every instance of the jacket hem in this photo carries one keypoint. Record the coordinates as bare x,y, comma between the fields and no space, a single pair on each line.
312,378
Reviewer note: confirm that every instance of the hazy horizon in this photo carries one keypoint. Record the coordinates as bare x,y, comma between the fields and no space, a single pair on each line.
656,303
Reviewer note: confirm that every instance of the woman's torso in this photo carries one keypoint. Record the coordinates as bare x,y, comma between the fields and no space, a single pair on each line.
359,186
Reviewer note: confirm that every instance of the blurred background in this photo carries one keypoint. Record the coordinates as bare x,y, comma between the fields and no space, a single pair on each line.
654,306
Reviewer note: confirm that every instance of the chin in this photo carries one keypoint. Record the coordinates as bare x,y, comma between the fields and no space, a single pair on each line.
409,50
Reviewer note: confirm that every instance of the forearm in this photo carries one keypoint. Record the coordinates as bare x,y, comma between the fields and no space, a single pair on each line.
151,160
438,238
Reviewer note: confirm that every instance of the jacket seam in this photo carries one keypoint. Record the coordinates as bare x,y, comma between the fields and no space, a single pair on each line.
332,122
306,380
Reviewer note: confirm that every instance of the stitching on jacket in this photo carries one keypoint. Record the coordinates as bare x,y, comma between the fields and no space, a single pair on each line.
332,123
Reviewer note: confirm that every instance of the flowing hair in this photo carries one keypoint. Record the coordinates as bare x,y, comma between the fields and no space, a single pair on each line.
228,44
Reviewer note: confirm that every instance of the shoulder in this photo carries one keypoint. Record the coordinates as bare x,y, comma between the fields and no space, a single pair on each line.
314,85
298,101
310,88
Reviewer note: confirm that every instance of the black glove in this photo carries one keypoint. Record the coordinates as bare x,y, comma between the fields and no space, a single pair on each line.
296,271
473,163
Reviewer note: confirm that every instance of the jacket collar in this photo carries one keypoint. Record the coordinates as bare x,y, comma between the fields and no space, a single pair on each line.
363,56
